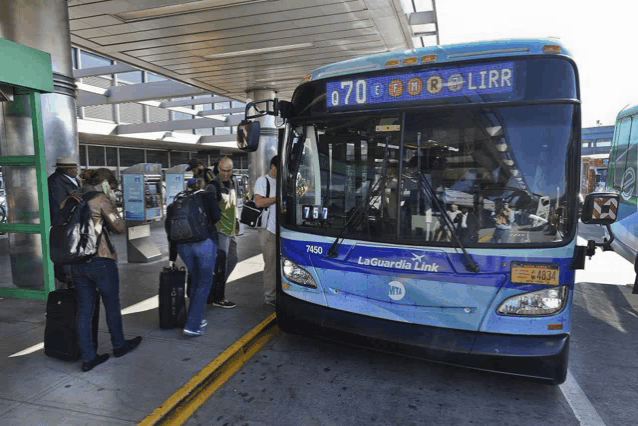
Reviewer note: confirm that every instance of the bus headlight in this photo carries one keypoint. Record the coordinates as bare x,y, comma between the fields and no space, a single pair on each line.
296,273
543,302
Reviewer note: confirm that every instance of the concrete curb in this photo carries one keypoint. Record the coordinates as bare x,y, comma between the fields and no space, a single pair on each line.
187,399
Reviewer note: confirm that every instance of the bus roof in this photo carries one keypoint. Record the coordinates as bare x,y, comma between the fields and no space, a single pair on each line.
626,112
444,54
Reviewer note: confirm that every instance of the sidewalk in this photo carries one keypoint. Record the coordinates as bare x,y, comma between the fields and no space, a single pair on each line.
41,390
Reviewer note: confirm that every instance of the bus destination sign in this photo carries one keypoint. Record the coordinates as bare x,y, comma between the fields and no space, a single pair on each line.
483,79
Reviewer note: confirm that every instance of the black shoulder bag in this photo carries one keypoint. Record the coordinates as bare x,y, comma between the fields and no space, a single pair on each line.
250,213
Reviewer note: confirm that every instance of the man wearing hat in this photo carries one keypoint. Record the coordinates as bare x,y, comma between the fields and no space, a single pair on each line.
199,171
62,183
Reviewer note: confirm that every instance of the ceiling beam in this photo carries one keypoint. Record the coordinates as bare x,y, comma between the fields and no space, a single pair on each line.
200,101
421,18
109,69
220,111
217,139
138,92
130,142
167,126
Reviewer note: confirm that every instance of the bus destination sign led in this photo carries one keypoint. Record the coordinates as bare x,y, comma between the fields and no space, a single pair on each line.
483,79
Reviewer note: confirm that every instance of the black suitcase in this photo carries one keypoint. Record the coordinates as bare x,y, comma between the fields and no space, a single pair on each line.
218,287
172,302
60,331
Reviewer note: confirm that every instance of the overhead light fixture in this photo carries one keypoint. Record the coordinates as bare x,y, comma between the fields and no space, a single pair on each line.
258,51
176,9
232,143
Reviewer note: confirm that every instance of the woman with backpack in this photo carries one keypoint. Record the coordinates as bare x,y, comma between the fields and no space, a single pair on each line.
190,227
100,274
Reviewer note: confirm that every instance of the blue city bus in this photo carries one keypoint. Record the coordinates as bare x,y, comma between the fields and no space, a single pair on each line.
621,179
428,204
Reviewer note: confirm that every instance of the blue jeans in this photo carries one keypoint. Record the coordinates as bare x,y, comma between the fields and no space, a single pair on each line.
228,244
200,261
500,236
99,275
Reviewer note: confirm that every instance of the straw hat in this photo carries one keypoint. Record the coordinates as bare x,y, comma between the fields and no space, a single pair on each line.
66,162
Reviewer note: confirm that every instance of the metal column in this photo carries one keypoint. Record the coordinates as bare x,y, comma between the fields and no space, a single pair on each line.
41,25
44,25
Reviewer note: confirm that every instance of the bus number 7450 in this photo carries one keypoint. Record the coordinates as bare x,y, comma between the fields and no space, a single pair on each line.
314,249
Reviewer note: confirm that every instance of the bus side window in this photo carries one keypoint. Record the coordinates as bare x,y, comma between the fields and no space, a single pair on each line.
621,146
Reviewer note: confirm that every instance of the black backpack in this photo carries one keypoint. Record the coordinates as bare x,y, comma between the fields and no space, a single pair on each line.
72,238
188,221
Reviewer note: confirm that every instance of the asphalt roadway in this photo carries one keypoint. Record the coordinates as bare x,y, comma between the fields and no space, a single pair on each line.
295,380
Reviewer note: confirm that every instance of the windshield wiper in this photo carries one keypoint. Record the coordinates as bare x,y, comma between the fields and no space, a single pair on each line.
357,215
470,265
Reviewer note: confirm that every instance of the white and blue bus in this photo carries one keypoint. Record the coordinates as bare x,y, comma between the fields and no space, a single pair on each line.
621,179
428,204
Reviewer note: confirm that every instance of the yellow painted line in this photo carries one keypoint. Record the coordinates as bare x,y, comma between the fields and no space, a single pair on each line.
486,238
187,399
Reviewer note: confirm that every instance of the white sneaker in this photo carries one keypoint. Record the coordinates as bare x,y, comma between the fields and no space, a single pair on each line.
199,332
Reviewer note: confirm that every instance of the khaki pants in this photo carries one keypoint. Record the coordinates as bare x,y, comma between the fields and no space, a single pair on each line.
269,249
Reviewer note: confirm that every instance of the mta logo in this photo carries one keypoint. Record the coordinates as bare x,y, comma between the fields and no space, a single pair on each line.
396,290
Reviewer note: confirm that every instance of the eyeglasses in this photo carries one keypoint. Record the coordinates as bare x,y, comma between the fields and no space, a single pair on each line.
226,170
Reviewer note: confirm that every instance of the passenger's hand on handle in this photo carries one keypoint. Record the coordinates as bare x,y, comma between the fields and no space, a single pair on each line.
171,264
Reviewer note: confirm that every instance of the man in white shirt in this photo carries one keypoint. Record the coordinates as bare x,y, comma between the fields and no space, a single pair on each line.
266,197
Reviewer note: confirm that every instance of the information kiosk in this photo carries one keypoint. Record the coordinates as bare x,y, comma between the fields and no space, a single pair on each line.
143,205
176,178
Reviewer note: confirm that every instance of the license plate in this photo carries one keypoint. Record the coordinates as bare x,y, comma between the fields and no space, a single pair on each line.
534,273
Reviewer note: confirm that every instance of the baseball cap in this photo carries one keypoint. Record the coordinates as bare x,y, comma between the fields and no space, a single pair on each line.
193,163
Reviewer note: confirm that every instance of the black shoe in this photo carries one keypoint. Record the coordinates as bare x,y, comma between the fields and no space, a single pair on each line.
128,347
99,359
224,304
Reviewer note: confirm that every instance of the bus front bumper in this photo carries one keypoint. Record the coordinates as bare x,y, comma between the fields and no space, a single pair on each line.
534,356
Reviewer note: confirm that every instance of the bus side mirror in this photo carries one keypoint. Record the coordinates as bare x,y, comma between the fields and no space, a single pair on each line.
248,135
600,208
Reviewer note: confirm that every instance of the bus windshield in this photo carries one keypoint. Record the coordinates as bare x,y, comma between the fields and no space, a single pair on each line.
499,176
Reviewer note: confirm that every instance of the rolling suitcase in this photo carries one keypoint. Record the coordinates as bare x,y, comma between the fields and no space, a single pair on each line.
60,331
172,302
217,289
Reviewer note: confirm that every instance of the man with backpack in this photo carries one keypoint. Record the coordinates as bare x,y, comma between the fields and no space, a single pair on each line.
200,171
190,227
80,238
